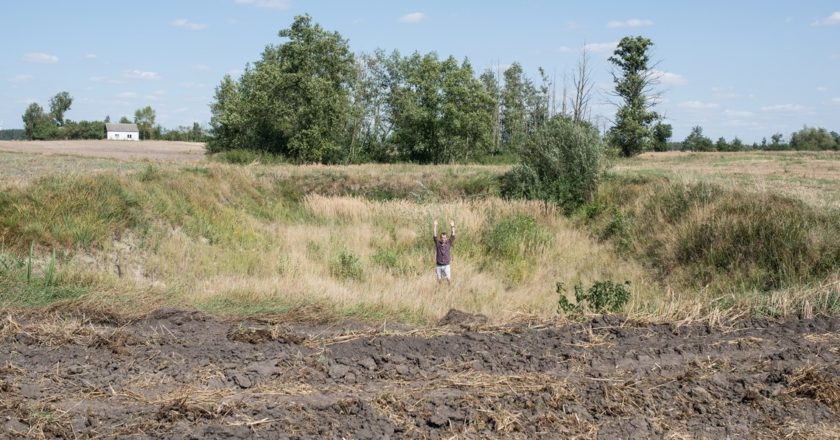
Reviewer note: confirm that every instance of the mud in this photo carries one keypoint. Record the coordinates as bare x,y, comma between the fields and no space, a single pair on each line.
181,374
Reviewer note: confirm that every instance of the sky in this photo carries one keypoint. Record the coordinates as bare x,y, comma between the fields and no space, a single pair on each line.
737,68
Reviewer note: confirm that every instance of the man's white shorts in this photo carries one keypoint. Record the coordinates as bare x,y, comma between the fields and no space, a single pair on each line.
443,272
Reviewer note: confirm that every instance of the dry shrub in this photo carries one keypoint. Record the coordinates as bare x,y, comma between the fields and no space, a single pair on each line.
817,384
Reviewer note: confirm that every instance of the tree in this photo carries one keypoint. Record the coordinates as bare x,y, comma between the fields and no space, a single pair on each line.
813,138
440,111
491,85
514,97
696,141
145,120
36,123
661,133
107,119
633,82
722,145
294,101
59,104
125,120
561,163
737,145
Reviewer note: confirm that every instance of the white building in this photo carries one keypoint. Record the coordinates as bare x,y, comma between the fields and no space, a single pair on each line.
122,132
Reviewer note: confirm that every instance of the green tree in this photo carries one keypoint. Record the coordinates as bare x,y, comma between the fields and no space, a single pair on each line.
722,145
59,104
125,120
696,141
440,111
633,81
490,82
561,163
514,104
145,120
813,138
737,145
37,124
294,101
661,133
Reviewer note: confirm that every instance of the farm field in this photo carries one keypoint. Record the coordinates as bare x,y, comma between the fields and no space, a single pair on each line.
220,301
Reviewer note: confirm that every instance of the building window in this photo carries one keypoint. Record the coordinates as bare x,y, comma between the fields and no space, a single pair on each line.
117,135
129,136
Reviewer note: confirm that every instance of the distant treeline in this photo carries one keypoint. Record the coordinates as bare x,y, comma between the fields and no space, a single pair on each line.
42,125
12,134
806,139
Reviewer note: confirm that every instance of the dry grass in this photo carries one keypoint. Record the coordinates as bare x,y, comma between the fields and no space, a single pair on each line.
813,177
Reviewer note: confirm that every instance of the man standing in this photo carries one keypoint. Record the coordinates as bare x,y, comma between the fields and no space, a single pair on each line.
443,255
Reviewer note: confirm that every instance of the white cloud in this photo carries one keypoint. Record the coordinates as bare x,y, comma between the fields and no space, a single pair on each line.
566,49
631,23
697,105
836,100
414,17
784,108
738,114
828,21
20,78
139,74
822,89
201,67
268,4
788,19
186,24
601,47
668,78
40,58
126,95
91,56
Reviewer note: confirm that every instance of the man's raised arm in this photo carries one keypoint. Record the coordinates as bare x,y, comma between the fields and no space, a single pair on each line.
435,228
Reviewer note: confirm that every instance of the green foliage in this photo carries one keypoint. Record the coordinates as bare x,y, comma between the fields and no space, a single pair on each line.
702,236
145,120
347,266
59,104
514,238
391,260
12,134
440,111
632,130
294,101
696,141
37,124
561,163
20,285
601,297
661,133
813,138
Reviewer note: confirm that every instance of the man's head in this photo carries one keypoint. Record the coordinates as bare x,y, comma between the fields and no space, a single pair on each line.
443,237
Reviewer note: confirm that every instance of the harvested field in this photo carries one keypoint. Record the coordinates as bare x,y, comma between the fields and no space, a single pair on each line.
151,150
183,374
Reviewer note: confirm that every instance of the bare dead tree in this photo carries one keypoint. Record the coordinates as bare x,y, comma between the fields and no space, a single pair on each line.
582,82
565,95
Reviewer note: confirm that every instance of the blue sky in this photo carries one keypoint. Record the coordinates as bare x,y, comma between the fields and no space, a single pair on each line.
746,68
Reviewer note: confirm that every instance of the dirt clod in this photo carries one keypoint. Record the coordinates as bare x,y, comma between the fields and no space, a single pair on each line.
182,374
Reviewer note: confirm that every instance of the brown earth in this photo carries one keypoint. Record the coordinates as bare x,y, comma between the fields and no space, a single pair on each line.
152,150
182,374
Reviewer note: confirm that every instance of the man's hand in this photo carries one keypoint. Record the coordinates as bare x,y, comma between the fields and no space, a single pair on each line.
452,223
435,223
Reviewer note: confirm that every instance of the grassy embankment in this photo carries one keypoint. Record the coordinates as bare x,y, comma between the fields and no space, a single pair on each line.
331,242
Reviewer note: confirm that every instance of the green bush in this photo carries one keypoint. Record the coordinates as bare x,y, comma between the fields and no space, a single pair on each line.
601,297
515,237
242,156
560,163
347,266
390,259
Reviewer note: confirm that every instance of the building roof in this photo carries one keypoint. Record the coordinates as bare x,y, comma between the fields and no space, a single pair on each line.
121,127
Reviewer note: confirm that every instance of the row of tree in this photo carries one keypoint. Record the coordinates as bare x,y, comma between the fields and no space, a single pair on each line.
808,138
311,99
42,125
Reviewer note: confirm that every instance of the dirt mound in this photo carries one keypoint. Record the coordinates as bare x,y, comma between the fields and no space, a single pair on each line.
183,374
457,317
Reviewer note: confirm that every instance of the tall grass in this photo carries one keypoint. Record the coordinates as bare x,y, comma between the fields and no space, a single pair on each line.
356,241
